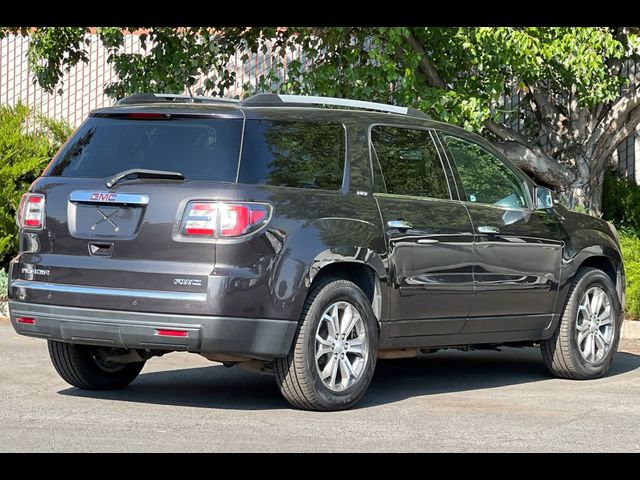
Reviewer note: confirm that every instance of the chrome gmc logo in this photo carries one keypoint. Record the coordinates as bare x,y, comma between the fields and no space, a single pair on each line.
104,197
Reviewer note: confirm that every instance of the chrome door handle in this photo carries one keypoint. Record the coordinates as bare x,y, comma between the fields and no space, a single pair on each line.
424,241
488,229
399,224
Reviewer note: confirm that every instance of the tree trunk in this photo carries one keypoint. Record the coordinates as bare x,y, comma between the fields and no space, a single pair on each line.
578,179
585,194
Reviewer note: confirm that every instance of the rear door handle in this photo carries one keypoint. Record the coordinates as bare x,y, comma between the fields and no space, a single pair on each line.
488,230
427,241
399,224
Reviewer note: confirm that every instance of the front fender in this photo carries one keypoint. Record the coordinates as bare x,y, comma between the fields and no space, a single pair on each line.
587,239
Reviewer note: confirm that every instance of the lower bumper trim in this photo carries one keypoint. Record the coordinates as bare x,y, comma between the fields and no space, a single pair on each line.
249,337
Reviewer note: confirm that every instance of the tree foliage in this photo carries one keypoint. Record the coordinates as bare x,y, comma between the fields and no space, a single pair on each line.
27,143
578,100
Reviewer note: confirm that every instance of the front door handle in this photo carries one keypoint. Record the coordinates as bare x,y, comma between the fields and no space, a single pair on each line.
488,230
399,224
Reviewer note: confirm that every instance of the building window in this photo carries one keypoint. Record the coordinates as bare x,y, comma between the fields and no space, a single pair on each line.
627,159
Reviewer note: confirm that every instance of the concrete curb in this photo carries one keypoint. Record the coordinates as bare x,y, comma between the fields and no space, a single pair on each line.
630,329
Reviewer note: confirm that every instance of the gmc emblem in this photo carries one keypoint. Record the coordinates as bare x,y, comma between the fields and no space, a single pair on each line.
104,197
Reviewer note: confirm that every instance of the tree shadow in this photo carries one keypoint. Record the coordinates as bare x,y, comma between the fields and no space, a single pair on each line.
394,380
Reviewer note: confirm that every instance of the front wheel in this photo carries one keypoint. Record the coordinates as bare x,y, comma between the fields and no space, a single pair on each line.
587,336
332,361
83,367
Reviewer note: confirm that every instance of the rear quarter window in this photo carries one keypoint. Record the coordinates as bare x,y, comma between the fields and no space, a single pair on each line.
302,154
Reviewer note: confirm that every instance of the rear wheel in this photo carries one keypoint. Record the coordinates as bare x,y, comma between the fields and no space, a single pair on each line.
587,336
83,366
333,359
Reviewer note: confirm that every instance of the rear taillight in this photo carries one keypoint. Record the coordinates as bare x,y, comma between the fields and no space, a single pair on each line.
31,211
222,219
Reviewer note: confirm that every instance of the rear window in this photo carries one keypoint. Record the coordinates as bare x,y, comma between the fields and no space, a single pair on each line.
302,154
200,149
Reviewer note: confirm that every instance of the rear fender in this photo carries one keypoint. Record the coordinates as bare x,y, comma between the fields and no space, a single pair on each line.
332,241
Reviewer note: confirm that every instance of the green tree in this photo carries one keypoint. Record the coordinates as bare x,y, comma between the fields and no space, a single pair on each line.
27,143
577,93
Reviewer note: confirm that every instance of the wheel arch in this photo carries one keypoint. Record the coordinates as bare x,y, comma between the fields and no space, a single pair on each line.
604,257
365,276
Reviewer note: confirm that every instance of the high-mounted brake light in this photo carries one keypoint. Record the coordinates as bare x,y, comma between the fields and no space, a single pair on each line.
31,211
148,116
203,219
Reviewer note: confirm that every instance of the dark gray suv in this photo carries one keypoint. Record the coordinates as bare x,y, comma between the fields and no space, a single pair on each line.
301,241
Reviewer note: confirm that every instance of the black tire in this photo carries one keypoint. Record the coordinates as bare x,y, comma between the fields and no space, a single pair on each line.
561,352
297,374
77,366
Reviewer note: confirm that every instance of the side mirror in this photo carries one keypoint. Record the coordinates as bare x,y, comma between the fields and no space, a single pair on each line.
543,198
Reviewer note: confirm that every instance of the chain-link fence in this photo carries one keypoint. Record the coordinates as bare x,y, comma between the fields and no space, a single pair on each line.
82,87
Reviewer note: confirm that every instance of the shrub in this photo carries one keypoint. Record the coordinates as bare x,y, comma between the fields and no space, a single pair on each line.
631,252
621,203
3,286
27,142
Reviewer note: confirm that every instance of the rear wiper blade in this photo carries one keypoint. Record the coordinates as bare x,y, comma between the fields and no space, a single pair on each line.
144,173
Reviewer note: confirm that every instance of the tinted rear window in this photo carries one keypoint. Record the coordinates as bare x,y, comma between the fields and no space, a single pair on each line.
200,149
303,154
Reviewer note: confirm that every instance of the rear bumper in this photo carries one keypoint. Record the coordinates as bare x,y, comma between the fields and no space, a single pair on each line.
249,337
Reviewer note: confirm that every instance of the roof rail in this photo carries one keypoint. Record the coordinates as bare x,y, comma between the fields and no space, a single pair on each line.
271,99
171,97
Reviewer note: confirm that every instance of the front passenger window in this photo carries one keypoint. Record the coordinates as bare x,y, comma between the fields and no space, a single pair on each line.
485,178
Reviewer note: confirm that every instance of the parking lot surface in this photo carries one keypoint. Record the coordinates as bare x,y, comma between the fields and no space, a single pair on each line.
447,401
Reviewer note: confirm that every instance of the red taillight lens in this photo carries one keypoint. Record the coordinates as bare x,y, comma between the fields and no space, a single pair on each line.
202,219
234,220
31,211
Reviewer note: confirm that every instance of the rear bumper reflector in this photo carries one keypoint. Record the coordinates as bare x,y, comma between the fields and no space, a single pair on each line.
26,320
172,333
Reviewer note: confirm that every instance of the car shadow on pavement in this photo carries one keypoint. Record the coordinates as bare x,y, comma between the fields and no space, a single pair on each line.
443,372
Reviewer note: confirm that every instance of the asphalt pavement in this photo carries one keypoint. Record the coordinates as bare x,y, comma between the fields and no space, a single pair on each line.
447,401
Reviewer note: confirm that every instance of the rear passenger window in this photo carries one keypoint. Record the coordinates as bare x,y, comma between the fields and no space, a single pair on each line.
410,162
302,154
